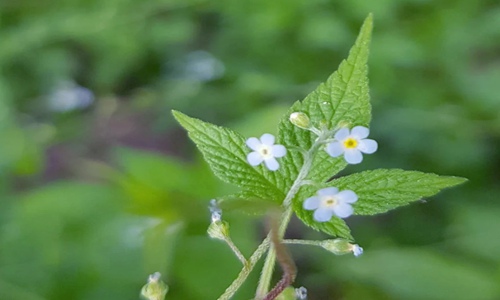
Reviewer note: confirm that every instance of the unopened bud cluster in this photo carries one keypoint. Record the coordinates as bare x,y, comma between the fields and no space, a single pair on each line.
291,293
155,289
215,210
218,230
301,293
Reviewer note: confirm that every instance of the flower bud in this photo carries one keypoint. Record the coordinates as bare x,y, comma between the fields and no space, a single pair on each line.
215,210
216,216
341,247
218,230
155,289
291,293
287,294
357,250
301,293
300,120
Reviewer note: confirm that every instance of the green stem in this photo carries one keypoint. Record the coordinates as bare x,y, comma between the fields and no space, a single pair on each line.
302,242
236,251
242,276
267,270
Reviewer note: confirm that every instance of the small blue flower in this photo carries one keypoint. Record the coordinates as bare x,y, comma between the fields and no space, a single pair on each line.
329,202
352,143
215,211
357,250
264,150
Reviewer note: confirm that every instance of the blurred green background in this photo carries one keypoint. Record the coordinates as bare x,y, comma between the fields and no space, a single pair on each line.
100,187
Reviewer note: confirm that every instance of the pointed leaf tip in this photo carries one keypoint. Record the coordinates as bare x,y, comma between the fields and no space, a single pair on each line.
176,114
343,99
382,190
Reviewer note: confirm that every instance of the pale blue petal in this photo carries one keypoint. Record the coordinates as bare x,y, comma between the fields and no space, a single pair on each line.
367,146
254,158
347,196
360,132
272,164
342,134
279,151
323,214
353,156
343,210
253,143
329,191
357,250
334,149
267,139
311,203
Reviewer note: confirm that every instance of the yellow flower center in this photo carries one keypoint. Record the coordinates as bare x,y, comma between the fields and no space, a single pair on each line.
350,143
330,201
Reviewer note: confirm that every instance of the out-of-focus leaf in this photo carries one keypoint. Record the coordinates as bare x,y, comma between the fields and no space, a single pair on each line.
416,274
247,204
257,122
474,230
153,169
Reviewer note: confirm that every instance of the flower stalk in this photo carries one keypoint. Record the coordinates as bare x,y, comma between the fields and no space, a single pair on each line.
267,270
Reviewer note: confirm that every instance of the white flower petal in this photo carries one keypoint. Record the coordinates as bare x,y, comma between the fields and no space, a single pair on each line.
272,164
323,214
367,146
357,250
342,134
329,191
347,196
279,151
334,149
311,203
343,210
267,139
360,132
254,158
353,156
253,143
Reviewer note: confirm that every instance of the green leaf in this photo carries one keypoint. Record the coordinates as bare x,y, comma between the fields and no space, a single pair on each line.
382,190
343,100
225,151
378,191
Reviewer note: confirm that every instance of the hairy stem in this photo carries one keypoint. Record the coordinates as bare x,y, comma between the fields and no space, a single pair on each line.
236,251
301,242
285,260
267,270
247,269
